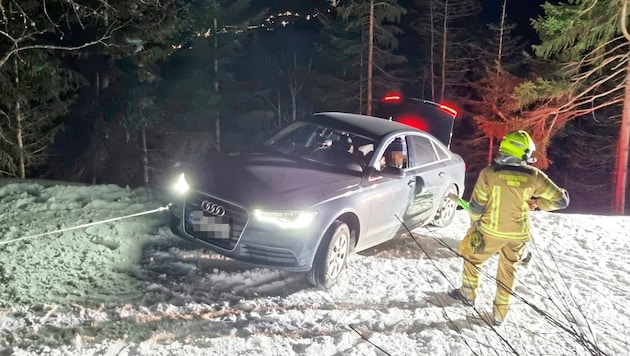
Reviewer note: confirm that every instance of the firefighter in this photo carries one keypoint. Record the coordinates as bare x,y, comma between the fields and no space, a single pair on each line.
499,210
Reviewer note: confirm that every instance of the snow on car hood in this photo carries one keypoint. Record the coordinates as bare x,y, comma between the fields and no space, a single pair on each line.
270,181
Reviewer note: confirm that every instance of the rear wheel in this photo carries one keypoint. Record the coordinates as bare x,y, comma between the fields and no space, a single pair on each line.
446,212
331,257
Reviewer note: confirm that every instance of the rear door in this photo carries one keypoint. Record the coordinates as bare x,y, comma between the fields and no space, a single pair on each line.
428,175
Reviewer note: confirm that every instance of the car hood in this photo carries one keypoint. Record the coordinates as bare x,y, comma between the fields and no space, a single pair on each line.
270,181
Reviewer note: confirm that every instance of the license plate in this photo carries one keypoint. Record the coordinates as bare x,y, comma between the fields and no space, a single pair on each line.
217,227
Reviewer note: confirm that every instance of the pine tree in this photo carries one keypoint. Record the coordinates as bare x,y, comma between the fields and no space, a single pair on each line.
36,94
205,78
491,104
447,27
369,49
590,40
37,37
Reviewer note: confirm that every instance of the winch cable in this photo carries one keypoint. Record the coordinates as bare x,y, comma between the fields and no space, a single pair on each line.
86,225
368,340
546,272
588,344
504,340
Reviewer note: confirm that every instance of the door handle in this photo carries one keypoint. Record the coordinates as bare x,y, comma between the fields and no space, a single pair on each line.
411,183
441,174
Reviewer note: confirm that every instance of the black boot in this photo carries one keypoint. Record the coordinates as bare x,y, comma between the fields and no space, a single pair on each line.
457,294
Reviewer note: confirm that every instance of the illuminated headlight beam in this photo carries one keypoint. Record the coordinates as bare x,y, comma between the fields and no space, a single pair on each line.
286,219
181,186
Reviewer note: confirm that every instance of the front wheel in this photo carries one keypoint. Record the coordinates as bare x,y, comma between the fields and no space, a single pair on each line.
331,257
446,212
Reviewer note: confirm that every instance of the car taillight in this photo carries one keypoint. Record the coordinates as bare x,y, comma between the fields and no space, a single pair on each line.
392,97
448,109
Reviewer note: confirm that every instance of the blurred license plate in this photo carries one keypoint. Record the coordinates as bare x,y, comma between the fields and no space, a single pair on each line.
217,227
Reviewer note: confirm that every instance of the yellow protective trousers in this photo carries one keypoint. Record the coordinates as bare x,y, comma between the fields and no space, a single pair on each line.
510,254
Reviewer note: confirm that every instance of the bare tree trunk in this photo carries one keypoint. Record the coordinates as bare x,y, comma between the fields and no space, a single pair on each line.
501,31
624,142
370,59
490,149
294,91
145,155
217,122
295,86
444,42
19,118
361,82
498,71
293,108
217,133
432,55
279,110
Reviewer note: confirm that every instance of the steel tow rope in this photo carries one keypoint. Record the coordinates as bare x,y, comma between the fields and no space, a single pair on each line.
86,225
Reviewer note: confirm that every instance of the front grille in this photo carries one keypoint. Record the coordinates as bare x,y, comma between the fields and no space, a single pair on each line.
235,216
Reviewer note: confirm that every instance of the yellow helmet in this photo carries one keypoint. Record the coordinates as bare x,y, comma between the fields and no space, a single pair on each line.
518,144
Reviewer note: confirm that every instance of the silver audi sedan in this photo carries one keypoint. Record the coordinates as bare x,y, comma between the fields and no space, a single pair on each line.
321,188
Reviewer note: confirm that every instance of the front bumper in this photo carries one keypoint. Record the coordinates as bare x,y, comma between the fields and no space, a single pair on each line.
249,241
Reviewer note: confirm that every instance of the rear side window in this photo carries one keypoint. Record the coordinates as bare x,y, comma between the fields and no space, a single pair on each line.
421,151
442,154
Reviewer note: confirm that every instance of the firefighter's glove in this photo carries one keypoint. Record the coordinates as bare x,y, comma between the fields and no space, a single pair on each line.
476,241
472,242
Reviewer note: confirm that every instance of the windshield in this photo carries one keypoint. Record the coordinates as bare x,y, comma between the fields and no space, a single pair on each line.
323,144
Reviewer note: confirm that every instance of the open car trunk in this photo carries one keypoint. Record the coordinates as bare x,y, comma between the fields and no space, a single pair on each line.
422,114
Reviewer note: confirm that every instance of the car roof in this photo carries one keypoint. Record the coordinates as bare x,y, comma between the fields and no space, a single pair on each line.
370,126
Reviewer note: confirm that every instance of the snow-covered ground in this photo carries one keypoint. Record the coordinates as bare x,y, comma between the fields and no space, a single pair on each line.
129,287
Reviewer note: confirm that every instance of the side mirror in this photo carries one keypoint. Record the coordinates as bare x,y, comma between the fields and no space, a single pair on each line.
353,166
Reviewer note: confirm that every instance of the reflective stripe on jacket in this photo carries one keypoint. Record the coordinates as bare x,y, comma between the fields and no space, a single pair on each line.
499,199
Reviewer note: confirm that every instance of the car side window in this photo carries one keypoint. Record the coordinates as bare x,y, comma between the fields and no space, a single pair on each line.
395,154
421,151
441,151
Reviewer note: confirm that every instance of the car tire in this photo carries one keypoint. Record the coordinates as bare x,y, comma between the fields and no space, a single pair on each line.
446,212
331,257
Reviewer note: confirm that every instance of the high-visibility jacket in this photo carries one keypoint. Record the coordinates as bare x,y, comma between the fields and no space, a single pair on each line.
499,201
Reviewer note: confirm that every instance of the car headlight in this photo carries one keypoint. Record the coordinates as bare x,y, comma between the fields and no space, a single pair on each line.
181,186
286,219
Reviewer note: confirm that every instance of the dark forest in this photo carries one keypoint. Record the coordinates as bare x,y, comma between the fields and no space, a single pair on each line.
120,92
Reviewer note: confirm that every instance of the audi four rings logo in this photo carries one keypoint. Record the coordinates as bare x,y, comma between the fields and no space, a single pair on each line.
214,209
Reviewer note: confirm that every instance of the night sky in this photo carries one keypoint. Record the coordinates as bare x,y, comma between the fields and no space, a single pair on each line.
519,12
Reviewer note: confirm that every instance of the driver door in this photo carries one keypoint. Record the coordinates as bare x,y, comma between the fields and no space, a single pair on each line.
388,195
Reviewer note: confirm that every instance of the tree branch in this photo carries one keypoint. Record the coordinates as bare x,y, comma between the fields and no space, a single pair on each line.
52,47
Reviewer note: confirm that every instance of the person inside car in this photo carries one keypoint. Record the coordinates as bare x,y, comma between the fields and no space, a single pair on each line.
393,155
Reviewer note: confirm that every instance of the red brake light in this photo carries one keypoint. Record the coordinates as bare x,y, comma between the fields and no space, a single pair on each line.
448,109
393,97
